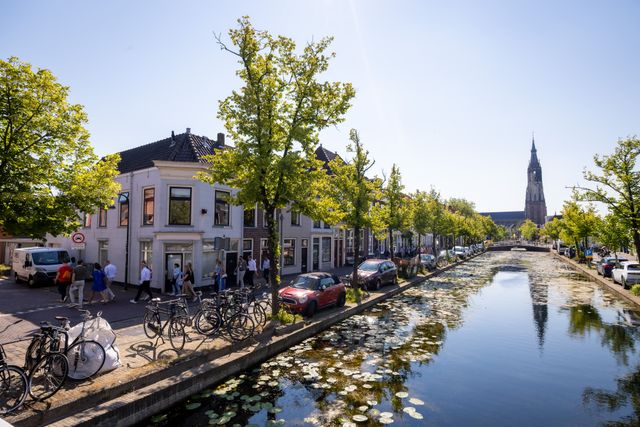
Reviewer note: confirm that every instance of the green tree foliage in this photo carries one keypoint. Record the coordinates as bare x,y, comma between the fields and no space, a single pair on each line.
435,216
275,119
396,211
552,229
420,213
354,194
613,233
617,185
578,223
49,171
529,230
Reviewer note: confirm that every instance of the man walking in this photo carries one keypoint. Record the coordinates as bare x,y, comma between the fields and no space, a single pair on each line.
266,266
251,271
110,271
145,283
240,270
63,279
79,276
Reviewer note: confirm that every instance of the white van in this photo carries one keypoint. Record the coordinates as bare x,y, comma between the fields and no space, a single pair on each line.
37,265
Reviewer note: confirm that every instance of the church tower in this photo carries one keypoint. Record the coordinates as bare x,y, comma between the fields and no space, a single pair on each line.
535,208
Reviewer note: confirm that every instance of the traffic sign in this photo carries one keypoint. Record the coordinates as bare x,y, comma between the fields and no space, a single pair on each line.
79,246
77,237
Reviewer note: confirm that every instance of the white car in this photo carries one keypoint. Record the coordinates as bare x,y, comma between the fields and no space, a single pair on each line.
626,273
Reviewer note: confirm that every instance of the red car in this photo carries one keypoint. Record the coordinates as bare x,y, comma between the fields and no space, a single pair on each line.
312,291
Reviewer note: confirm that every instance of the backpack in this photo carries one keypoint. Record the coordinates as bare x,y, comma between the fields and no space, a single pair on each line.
65,276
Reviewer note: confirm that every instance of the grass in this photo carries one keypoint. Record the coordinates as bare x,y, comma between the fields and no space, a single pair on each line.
354,295
285,317
635,290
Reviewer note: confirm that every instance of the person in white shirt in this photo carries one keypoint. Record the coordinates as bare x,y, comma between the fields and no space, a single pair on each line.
251,270
110,272
177,279
266,267
145,283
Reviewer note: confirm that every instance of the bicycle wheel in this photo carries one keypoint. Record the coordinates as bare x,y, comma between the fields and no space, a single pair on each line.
48,376
240,327
151,324
86,358
37,349
13,388
177,335
259,315
207,322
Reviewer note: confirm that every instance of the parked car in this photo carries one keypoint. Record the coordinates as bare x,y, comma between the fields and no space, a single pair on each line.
373,273
428,261
626,273
37,265
310,292
605,265
444,254
460,252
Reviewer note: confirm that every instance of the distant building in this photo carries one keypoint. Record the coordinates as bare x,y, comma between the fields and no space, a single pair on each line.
535,207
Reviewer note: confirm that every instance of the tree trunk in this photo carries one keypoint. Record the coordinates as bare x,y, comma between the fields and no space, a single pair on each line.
433,246
356,255
636,241
273,251
391,249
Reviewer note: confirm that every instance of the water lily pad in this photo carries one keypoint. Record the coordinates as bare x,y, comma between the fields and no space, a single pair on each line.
359,418
158,418
383,420
193,405
386,415
402,394
416,401
363,408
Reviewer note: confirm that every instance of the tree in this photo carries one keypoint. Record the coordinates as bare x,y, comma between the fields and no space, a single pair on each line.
353,194
612,233
396,209
529,230
578,223
49,171
552,229
617,186
274,120
420,213
435,216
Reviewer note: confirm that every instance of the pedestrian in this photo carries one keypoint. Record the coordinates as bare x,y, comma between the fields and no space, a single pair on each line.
73,262
266,267
145,283
110,271
251,271
99,284
177,279
63,279
240,270
77,285
188,282
219,276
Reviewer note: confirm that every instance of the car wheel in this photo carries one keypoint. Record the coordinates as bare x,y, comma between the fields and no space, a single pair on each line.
395,280
311,309
377,285
341,300
624,283
31,281
17,278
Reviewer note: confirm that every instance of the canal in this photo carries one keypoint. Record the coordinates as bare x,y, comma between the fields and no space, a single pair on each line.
509,338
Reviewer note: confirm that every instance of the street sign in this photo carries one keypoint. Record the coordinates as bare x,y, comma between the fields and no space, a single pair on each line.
77,237
79,245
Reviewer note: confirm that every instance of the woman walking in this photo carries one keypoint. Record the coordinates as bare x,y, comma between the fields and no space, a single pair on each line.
188,282
99,286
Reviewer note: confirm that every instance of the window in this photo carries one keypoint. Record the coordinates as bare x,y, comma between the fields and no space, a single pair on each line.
316,224
289,251
326,249
247,247
250,217
146,252
124,209
264,219
295,218
222,208
209,256
327,282
103,252
179,206
86,220
147,210
102,218
327,225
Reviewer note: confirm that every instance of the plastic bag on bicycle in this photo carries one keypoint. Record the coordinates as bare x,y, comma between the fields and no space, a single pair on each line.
98,329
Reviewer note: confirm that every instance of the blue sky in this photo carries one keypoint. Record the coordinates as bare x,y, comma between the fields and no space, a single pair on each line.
450,91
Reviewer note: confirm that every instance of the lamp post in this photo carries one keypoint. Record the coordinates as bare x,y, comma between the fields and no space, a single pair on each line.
124,197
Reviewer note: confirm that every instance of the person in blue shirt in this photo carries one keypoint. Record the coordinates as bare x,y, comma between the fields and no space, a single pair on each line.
99,286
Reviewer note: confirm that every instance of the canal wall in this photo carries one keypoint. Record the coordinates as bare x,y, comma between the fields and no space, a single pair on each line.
142,397
603,281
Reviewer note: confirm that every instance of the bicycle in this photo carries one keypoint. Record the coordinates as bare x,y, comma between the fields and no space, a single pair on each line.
222,309
176,321
46,363
86,357
14,383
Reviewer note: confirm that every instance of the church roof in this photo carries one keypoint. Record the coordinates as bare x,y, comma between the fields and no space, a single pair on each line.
514,216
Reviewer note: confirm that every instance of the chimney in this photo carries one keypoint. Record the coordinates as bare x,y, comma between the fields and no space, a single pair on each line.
188,131
173,140
220,141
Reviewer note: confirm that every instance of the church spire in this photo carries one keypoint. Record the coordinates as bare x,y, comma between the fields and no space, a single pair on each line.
533,141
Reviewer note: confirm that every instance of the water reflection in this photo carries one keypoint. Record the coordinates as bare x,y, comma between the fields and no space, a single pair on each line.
451,352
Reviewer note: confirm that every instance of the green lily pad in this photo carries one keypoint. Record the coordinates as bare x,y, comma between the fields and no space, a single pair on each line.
158,418
193,405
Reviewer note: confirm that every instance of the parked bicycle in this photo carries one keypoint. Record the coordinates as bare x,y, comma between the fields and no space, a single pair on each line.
175,321
86,357
223,309
14,383
46,362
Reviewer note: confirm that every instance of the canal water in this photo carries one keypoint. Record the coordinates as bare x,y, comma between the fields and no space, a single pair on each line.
507,339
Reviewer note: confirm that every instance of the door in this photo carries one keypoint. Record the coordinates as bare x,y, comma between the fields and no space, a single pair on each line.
316,254
230,268
170,260
304,260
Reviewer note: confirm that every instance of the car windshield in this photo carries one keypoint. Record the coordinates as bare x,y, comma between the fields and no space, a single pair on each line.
458,248
48,258
305,282
613,260
368,266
